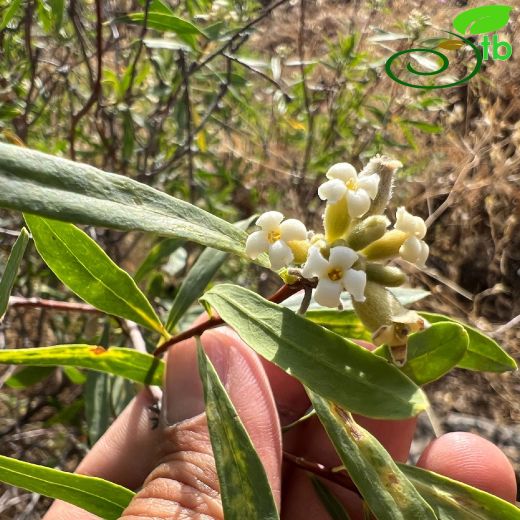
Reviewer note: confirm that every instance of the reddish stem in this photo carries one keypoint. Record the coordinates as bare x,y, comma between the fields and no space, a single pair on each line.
279,296
321,471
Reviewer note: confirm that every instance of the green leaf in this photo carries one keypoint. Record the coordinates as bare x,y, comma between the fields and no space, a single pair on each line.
325,362
424,126
11,270
74,375
157,254
453,500
483,19
192,287
344,323
245,490
9,13
28,376
73,192
483,353
161,18
95,495
88,271
432,352
97,405
386,490
126,362
329,500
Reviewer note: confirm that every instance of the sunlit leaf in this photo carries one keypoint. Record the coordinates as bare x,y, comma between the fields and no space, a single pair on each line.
92,494
245,490
58,188
325,362
125,362
87,270
483,353
11,270
453,500
384,487
161,18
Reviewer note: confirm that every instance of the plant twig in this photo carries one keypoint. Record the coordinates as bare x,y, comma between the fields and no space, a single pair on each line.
215,321
96,91
19,301
321,471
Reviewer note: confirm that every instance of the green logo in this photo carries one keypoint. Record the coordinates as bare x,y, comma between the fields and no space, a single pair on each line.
484,19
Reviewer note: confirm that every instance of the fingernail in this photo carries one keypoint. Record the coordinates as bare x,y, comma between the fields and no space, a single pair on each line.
183,395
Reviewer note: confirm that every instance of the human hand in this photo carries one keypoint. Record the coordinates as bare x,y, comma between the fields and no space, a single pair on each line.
173,465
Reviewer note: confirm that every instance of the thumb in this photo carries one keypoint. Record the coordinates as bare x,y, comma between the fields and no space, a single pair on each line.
184,482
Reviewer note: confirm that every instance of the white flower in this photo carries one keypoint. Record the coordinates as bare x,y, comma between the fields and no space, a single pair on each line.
273,238
414,249
344,181
335,275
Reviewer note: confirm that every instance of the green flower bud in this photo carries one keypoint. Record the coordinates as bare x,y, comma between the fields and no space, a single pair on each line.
385,247
385,275
367,231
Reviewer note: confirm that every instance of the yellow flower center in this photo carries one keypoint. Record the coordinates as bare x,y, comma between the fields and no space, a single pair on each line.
352,184
273,236
335,274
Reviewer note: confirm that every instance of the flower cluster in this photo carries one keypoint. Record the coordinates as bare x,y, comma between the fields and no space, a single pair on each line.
356,242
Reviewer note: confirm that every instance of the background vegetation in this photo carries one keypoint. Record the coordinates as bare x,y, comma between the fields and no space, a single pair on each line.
238,106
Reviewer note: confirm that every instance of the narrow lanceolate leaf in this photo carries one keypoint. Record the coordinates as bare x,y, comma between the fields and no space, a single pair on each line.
328,364
58,188
384,487
125,362
453,500
344,323
157,254
432,352
330,502
11,269
192,287
245,490
88,271
95,495
483,353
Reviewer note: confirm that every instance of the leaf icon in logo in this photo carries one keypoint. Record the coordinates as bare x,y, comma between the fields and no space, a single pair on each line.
484,19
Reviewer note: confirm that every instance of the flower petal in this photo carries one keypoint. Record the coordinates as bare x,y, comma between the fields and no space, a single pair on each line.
343,170
423,255
411,250
316,265
327,293
332,190
256,244
358,203
369,183
270,220
410,224
280,255
342,257
293,229
354,282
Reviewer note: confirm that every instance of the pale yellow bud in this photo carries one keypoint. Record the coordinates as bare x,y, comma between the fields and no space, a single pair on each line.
336,220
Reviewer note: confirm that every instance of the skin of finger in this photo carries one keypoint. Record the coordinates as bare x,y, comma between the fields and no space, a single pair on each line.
471,459
129,433
184,482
